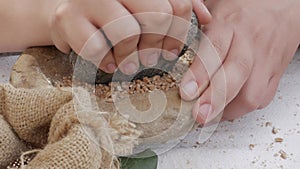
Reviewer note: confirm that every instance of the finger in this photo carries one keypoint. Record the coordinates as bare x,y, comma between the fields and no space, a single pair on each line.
125,46
123,32
261,86
59,43
173,43
155,18
201,12
226,83
195,80
243,103
211,53
257,93
250,96
84,38
108,63
95,49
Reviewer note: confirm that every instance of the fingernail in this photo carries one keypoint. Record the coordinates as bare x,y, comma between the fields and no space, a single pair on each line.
152,59
111,67
130,68
172,55
204,111
190,89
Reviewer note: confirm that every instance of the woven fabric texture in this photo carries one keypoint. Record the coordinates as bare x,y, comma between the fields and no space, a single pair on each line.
48,119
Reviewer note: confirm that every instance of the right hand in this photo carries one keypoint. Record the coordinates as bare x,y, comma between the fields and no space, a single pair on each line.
243,58
75,22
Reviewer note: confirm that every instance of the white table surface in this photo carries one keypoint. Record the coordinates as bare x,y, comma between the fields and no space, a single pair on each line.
228,148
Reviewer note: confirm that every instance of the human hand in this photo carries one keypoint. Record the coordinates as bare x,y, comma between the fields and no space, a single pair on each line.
255,41
75,24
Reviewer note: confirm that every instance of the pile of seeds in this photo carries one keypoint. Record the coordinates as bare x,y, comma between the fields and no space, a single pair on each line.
138,86
165,82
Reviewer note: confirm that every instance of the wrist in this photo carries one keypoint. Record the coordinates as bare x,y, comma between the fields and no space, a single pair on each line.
24,25
31,17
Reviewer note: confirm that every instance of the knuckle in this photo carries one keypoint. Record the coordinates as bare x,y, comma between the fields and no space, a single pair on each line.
61,12
95,51
132,32
158,21
167,8
163,20
164,16
182,7
252,100
251,103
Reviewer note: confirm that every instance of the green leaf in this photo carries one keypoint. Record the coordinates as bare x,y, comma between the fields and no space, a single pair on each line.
144,160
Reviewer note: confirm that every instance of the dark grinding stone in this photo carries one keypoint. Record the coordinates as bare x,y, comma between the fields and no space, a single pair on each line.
87,72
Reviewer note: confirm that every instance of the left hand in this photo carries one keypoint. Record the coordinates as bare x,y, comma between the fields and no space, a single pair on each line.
255,41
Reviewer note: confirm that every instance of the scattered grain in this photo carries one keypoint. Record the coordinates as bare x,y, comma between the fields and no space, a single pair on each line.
283,154
251,146
274,130
268,124
278,140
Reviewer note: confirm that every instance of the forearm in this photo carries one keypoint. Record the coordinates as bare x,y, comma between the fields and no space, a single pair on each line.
24,23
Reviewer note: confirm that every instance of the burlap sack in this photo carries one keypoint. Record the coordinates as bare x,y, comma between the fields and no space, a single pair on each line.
72,139
71,145
10,145
2,101
29,112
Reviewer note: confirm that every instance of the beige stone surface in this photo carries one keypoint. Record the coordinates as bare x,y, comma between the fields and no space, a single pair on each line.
45,67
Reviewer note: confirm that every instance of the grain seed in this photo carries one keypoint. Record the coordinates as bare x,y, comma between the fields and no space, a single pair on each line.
278,140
